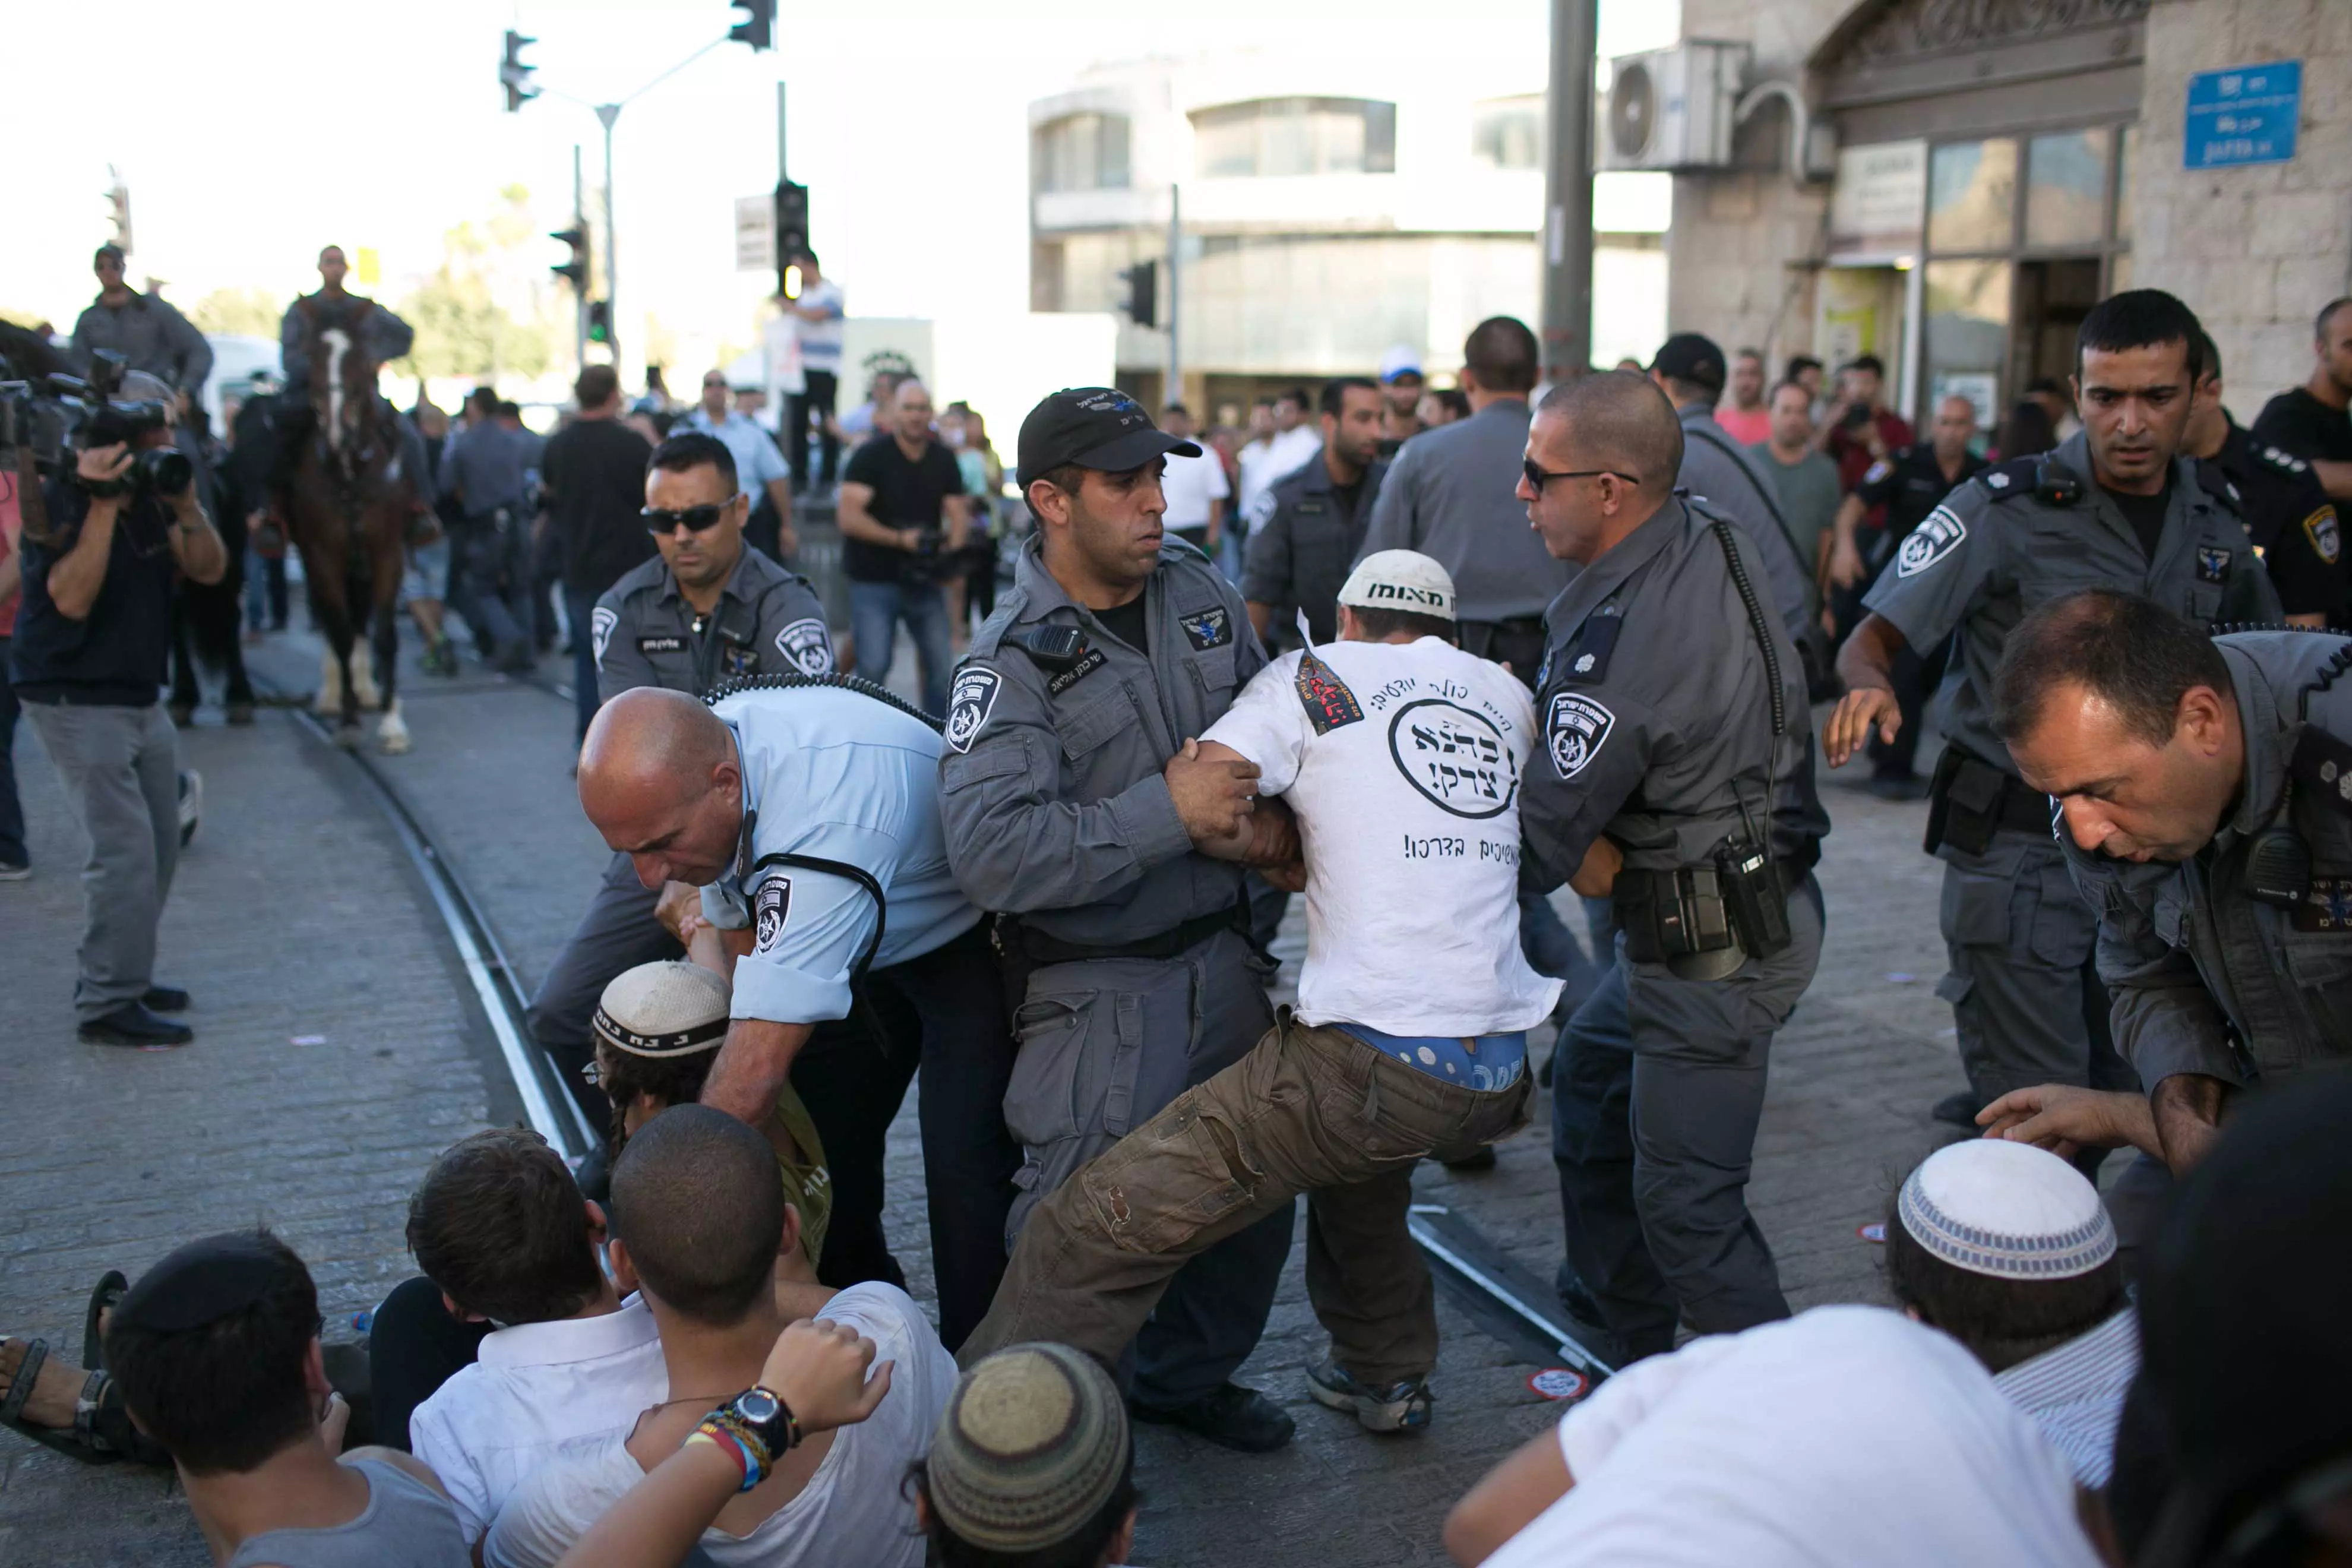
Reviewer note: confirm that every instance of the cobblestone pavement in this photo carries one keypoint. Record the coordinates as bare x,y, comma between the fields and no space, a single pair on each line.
339,1047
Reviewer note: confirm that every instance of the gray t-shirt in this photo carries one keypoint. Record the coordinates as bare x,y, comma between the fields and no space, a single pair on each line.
1807,490
406,1524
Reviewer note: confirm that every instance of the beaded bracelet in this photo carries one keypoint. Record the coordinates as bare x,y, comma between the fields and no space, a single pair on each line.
728,1442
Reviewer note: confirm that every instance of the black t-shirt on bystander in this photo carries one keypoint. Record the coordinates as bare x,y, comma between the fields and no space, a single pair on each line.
907,494
595,474
118,654
2301,426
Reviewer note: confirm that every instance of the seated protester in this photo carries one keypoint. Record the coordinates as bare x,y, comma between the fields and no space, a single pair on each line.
217,1351
2007,1250
1843,1438
700,1227
657,1030
1414,994
1032,1463
503,1235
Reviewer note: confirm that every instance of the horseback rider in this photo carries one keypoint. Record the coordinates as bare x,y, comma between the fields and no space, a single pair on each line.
144,328
376,332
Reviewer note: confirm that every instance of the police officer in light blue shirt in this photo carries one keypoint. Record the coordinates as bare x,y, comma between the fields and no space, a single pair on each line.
807,810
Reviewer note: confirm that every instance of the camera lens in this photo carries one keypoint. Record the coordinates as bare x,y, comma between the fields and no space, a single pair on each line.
164,470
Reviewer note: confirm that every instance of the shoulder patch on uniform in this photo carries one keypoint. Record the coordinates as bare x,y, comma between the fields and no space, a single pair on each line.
601,622
1574,728
1587,654
1938,534
2007,481
1208,628
2213,563
1325,696
2326,538
806,646
2286,460
970,702
771,909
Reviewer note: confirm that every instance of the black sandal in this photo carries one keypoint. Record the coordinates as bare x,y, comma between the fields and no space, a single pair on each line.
79,1441
104,1295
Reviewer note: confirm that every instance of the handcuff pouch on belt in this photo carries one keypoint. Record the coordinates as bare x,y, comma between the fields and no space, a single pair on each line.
1969,800
1703,922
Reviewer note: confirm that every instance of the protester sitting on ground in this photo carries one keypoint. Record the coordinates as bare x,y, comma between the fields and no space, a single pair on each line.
700,1227
2008,1250
2237,1439
1845,1435
658,1029
505,1238
1032,1466
217,1351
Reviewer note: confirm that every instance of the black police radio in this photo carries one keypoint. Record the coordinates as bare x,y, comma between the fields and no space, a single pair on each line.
2056,486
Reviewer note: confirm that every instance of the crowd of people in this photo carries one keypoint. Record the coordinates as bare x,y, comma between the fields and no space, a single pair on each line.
1442,659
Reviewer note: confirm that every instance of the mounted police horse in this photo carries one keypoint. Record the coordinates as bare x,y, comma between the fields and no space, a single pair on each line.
347,505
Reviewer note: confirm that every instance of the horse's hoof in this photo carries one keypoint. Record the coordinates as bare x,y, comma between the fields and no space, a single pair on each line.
393,745
348,737
240,713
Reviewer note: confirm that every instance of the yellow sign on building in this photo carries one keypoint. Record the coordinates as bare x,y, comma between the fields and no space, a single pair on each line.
370,265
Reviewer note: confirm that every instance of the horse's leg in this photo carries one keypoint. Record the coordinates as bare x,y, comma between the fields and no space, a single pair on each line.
335,619
392,734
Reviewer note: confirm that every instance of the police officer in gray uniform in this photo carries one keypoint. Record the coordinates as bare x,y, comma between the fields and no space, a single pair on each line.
1071,812
706,610
2113,506
1677,777
2204,787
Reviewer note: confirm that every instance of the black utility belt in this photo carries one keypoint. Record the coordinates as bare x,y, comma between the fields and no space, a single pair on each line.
1740,902
1013,934
1969,801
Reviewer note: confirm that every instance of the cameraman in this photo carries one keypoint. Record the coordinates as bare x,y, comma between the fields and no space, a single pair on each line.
93,637
903,514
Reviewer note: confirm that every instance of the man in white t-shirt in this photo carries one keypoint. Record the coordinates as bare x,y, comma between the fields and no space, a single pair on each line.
1194,486
700,1227
1398,756
1283,446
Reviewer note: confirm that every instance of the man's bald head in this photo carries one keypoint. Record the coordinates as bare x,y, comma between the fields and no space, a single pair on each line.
1619,419
659,778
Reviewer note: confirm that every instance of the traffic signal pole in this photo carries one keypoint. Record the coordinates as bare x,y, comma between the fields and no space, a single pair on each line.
579,296
607,113
1567,192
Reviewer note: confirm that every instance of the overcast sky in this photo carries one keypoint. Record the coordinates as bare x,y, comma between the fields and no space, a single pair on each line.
252,131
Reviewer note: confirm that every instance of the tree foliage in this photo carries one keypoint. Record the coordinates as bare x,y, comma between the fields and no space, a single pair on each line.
247,312
484,309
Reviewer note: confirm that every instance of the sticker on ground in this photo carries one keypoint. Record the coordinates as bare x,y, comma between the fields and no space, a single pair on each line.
1873,1234
1558,1383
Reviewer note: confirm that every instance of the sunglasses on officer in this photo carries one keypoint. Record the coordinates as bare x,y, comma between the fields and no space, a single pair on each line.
1536,477
663,522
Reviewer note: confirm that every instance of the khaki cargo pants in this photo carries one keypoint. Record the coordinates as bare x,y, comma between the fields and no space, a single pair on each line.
1312,1111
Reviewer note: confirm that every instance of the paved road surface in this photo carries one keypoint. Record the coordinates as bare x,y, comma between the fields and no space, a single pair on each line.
339,1048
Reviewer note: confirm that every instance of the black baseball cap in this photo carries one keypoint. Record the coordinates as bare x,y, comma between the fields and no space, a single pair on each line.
1692,357
1095,427
2246,1364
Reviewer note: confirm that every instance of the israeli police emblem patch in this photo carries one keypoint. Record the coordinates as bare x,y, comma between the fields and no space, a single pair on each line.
601,622
2213,564
970,702
1208,628
1938,534
769,913
1574,728
2326,538
806,647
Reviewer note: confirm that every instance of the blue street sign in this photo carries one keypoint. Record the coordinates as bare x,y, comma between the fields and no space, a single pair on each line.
2243,115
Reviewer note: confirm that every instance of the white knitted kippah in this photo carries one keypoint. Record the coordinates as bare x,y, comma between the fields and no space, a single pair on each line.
2006,1209
668,1009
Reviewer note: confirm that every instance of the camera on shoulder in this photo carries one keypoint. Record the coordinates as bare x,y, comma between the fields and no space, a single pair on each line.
59,416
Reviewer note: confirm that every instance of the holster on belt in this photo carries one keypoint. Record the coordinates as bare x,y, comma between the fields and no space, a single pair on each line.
1969,800
1022,948
1703,922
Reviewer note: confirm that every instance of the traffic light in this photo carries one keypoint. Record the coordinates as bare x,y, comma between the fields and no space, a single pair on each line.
515,76
600,320
792,236
758,28
574,271
1142,305
118,201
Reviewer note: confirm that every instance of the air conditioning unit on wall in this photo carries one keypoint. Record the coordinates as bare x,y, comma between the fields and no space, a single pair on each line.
1673,109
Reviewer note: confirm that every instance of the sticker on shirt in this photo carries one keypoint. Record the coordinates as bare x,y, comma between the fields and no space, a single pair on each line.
2327,907
1092,660
2213,564
1208,628
806,647
1325,696
1937,535
770,912
1574,728
970,702
601,622
661,645
1456,758
2326,538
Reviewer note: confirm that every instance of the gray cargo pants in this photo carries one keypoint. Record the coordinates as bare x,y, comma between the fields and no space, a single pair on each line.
1104,1045
2026,996
119,767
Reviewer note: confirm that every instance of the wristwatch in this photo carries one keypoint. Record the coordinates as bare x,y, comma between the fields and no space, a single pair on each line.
767,1416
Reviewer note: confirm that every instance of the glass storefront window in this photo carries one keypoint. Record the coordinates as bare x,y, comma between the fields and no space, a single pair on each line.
1967,332
1082,153
1295,136
2066,189
1971,196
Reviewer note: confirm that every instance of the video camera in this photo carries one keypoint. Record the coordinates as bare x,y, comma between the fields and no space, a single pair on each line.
60,416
